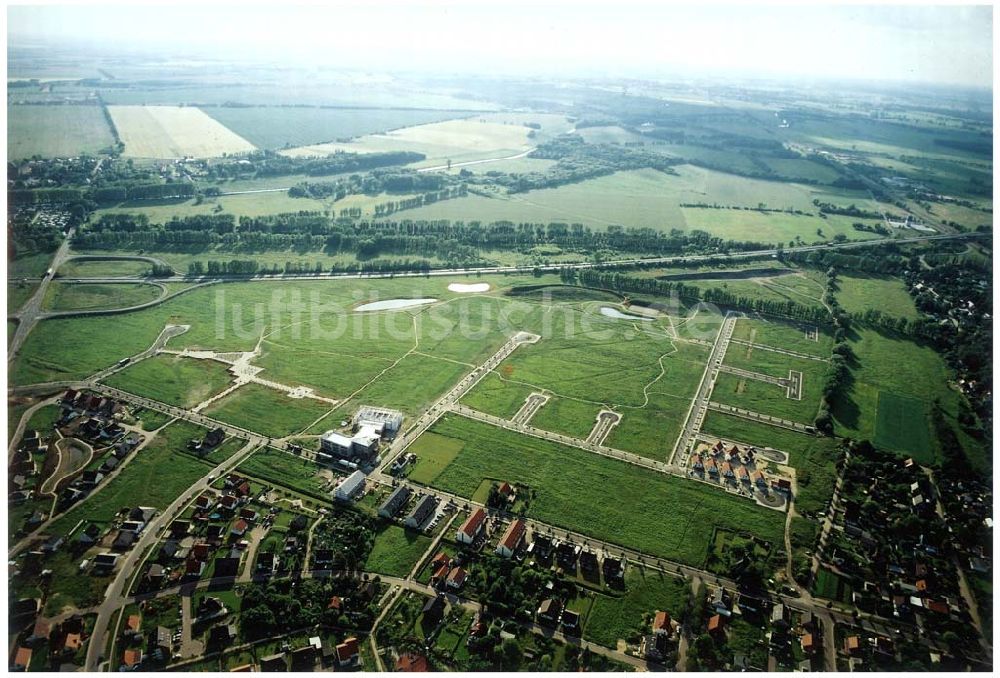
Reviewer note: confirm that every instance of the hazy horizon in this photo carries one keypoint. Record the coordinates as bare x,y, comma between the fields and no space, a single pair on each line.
950,45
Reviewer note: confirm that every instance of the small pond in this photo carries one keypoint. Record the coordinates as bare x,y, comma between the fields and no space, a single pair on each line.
393,304
615,313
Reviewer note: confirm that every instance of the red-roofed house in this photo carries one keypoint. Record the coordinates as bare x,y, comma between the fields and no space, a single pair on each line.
456,578
412,663
336,602
132,657
347,652
661,623
471,527
239,528
22,658
512,538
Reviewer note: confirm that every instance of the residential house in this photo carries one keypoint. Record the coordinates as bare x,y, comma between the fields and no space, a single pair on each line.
348,652
410,662
274,663
456,578
131,658
472,527
549,611
39,633
571,621
350,486
662,623
433,612
512,538
396,500
588,562
716,624
22,659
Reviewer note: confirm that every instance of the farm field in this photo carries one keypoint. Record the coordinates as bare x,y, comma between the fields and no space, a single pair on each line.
182,382
267,411
396,551
649,198
174,132
572,488
56,131
646,591
472,138
284,127
92,296
858,294
242,205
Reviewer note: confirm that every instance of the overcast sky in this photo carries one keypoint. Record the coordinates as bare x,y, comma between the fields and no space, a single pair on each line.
947,45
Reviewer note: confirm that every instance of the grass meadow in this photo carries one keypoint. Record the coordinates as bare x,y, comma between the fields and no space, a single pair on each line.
759,396
566,416
77,297
788,335
267,411
102,268
287,470
858,294
182,382
606,499
901,425
18,293
497,396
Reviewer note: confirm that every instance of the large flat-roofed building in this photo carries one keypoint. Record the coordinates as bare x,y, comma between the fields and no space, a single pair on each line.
386,422
364,443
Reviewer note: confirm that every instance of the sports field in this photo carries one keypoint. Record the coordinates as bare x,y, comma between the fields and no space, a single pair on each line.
604,498
174,132
56,131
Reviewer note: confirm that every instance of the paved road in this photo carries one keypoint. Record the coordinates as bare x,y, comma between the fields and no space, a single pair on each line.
696,412
32,308
468,163
774,349
757,416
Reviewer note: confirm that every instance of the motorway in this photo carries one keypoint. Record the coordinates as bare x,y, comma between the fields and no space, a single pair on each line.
32,308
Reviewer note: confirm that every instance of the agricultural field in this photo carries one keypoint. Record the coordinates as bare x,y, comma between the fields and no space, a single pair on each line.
858,294
473,138
572,490
56,131
95,268
286,470
182,382
649,198
93,296
286,127
172,132
267,411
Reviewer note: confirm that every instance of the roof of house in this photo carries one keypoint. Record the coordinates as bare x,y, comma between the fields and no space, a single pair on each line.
335,603
715,623
412,663
661,622
132,657
472,524
550,607
23,657
347,649
515,531
73,641
457,576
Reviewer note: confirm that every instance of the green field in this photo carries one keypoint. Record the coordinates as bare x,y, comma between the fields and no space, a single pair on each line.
56,131
569,417
858,294
273,127
434,454
497,396
902,425
784,334
73,297
267,411
573,488
143,481
18,293
183,382
759,396
649,198
88,268
396,551
832,587
286,470
646,591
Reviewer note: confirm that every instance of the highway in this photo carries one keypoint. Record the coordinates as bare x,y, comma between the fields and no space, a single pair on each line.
29,313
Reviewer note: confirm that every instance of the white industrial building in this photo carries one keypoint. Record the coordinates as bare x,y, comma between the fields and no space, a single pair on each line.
350,486
364,443
386,422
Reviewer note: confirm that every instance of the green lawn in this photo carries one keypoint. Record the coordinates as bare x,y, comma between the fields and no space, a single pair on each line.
44,419
759,396
267,411
496,396
74,296
396,551
832,587
96,268
171,379
610,500
434,454
614,617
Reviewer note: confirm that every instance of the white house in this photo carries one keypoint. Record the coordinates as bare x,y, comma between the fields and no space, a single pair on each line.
349,486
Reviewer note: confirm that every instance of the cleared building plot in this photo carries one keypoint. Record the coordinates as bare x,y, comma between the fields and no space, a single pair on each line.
174,132
56,131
